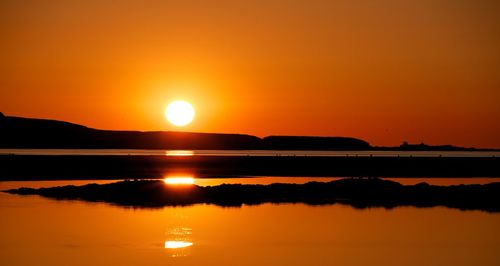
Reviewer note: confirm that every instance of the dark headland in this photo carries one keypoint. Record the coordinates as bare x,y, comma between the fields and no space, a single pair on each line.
18,132
359,193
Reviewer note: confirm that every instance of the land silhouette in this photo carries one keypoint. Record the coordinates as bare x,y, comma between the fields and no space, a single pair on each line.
359,193
19,132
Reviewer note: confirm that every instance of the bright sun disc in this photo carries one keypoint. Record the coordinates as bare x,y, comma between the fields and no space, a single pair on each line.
180,113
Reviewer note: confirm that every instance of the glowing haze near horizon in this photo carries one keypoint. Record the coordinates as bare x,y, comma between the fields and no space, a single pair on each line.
384,71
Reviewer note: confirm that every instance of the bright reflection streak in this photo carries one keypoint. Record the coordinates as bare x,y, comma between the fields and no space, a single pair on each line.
179,180
179,153
177,244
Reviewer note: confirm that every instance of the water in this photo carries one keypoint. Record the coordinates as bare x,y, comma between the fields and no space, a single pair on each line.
250,153
39,231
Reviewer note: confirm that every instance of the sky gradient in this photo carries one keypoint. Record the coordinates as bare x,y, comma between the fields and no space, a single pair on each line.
385,71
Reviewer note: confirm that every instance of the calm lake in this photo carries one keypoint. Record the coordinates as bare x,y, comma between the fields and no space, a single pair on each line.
39,231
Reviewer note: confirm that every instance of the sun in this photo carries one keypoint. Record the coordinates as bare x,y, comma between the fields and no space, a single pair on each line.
179,113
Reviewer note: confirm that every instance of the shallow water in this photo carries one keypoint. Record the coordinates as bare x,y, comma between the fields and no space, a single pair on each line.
39,231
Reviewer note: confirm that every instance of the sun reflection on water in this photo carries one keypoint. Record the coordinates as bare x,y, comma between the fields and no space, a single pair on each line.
177,244
179,241
179,180
179,153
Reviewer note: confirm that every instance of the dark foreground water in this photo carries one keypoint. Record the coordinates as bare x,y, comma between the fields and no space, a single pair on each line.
39,231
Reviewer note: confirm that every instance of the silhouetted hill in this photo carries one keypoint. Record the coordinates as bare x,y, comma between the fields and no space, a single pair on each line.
17,132
359,193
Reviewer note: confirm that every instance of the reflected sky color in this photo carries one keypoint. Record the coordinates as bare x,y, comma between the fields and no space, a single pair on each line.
70,232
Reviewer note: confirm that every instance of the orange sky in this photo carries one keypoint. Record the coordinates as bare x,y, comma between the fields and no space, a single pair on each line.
385,71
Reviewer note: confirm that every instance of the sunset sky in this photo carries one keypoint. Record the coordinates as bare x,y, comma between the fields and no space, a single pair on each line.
385,71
